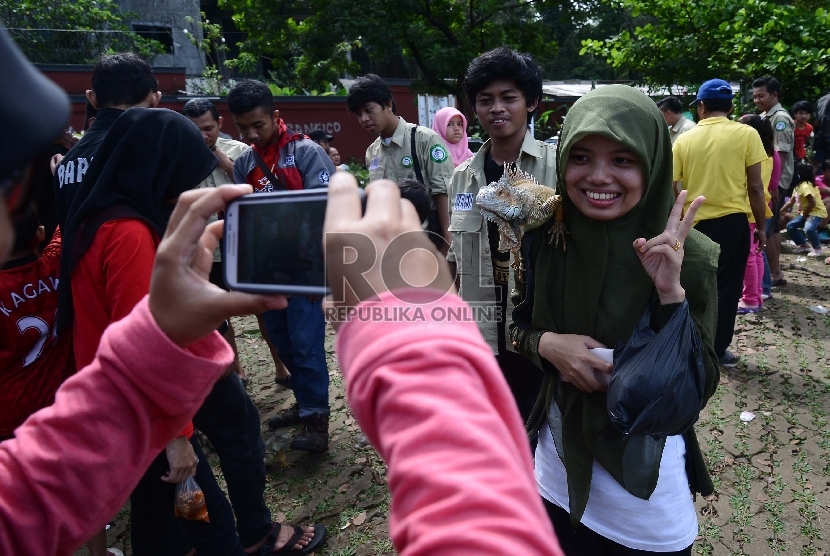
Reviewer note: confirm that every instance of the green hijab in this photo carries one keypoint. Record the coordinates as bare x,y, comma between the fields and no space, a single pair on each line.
597,287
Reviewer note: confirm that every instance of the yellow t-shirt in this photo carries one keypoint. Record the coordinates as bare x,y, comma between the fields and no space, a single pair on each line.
766,176
808,188
711,160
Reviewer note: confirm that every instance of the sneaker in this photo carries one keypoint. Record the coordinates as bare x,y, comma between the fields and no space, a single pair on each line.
824,236
114,552
315,434
802,249
286,418
765,296
814,253
729,359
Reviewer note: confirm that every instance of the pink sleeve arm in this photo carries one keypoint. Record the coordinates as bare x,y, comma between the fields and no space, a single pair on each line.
432,399
72,465
776,172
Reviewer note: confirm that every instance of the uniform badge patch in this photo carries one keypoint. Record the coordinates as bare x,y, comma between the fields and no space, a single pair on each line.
438,153
375,164
406,162
463,202
323,176
780,126
289,160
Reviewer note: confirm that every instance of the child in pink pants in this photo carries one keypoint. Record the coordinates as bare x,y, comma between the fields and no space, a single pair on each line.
770,174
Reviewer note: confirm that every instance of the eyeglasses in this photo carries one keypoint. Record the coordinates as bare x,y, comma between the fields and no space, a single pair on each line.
15,188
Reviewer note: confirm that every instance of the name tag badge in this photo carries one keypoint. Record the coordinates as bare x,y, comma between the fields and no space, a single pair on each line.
375,164
463,202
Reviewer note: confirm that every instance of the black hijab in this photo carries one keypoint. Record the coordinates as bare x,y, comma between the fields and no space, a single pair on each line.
149,156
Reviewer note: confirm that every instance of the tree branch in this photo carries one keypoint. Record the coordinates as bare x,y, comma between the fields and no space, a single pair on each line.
426,13
431,77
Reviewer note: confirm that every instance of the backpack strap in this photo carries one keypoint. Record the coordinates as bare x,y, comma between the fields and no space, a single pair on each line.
415,161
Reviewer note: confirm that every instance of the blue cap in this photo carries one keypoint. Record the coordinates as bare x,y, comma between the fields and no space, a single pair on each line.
714,88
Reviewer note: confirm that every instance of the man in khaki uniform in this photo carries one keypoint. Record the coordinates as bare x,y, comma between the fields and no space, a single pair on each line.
672,111
505,88
390,156
765,92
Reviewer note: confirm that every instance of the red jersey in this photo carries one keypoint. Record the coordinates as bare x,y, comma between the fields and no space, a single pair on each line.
801,138
34,361
111,277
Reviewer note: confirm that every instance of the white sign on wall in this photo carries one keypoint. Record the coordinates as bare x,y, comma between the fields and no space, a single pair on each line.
429,105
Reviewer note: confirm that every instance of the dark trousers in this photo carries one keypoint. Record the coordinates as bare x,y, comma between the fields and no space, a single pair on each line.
299,333
524,379
152,507
579,541
230,420
731,232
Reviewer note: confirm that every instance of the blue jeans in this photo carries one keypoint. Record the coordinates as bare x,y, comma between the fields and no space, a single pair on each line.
230,420
810,225
299,332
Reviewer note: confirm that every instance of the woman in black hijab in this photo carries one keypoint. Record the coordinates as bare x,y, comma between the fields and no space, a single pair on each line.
117,217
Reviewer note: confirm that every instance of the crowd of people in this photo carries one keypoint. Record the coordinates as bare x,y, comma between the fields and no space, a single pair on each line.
119,344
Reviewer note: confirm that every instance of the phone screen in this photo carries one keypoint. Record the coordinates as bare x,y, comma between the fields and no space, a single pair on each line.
281,243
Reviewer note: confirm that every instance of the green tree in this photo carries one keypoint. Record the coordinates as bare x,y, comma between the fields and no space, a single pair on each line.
72,32
689,41
322,39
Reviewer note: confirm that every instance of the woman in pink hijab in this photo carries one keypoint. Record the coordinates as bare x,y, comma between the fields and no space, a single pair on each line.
451,125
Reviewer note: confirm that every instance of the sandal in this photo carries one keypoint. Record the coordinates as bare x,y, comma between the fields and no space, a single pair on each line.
284,381
778,283
288,547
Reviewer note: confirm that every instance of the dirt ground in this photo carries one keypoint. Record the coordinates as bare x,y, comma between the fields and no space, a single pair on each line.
772,473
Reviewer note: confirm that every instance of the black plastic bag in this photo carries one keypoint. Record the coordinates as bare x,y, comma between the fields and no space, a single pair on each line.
656,387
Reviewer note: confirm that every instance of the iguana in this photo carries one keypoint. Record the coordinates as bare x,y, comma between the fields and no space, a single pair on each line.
518,203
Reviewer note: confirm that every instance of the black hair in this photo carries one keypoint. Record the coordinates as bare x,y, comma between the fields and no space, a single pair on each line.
504,63
89,113
248,95
369,88
416,193
802,106
717,104
825,165
764,128
804,172
197,107
671,104
26,223
771,84
122,79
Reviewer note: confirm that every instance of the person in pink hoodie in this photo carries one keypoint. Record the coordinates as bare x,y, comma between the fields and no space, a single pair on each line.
459,467
451,125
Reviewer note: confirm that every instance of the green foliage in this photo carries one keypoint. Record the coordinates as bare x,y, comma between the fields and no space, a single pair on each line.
72,32
689,41
321,40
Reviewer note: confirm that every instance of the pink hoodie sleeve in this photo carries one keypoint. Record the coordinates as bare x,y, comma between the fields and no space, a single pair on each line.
431,398
71,466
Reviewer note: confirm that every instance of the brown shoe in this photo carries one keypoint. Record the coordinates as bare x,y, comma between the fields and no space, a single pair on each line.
286,418
315,434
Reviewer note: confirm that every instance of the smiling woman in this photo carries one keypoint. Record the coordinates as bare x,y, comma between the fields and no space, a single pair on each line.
603,490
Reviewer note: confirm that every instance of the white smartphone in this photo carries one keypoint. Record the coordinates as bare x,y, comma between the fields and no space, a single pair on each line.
273,243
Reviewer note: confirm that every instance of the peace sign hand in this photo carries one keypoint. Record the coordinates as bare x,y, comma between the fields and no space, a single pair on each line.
662,256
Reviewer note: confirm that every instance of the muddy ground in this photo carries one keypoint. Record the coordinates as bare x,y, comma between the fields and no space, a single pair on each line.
772,473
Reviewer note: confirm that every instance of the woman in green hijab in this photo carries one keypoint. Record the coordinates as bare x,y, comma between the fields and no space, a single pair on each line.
607,493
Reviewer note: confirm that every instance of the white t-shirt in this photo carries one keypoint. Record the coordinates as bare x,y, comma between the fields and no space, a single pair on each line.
666,522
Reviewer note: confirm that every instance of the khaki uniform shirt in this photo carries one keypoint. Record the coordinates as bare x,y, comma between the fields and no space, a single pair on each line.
783,129
218,177
395,160
683,125
470,248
